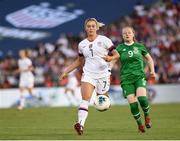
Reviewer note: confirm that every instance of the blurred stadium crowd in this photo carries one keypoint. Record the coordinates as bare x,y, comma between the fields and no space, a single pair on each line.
156,26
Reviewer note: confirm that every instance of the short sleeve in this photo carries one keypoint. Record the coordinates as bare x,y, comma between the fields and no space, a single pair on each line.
79,50
118,49
144,50
18,63
29,62
108,43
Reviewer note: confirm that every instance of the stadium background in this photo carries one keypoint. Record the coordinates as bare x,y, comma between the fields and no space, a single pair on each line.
51,30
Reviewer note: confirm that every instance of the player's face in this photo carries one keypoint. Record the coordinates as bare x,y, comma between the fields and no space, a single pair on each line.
22,54
127,34
91,28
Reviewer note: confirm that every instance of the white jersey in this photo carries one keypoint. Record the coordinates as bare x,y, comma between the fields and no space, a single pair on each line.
95,66
26,78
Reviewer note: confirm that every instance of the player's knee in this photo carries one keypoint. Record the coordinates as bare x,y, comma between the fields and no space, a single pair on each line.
86,97
21,89
131,98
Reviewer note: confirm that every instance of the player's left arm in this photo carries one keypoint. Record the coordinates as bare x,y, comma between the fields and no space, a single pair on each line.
111,52
114,57
150,64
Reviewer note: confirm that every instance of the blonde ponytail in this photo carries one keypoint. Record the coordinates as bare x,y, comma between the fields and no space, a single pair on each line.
100,24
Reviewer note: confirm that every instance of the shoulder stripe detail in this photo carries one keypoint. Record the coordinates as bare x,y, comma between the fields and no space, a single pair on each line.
111,48
80,54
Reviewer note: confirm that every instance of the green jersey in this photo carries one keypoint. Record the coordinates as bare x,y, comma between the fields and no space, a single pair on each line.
132,63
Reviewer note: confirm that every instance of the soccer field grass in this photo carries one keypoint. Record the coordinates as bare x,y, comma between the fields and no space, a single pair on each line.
114,124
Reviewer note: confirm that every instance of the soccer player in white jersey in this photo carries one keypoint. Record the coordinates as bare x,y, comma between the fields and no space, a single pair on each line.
96,71
70,89
26,81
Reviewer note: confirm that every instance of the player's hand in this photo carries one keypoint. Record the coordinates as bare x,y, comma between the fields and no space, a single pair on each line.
153,75
62,76
107,58
25,70
16,72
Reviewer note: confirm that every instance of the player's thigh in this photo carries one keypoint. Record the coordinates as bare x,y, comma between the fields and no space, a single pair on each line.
102,85
22,84
140,85
30,89
86,90
128,89
87,87
141,91
22,88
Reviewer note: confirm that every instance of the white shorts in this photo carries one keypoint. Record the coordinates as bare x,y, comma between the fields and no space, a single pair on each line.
27,82
101,85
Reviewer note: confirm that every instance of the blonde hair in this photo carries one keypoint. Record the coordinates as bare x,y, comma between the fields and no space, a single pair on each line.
27,52
99,24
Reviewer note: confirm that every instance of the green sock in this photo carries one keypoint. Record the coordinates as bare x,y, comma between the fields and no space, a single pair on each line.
144,105
135,112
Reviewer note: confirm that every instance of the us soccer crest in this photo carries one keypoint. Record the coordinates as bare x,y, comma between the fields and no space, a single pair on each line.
90,46
135,50
42,16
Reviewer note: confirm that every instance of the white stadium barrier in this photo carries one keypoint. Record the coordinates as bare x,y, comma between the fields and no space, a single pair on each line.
53,97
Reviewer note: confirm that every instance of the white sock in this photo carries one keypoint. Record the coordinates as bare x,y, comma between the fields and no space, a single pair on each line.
83,112
22,101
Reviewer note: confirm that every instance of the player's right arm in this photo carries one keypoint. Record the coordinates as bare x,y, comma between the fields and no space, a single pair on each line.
115,56
74,65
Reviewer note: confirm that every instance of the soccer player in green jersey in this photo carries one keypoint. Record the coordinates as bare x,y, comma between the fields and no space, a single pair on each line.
132,75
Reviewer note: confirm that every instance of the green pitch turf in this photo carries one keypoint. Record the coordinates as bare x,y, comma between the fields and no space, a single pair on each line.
114,124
